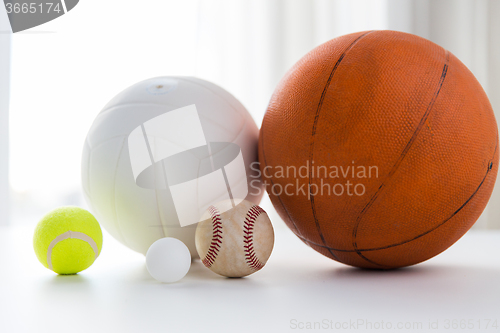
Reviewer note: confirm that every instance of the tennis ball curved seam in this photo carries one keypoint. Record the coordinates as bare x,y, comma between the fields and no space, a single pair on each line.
71,234
67,240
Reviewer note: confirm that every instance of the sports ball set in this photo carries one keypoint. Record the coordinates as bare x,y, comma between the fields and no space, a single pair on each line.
379,150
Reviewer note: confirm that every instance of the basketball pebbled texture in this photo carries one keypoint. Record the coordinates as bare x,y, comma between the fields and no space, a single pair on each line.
398,102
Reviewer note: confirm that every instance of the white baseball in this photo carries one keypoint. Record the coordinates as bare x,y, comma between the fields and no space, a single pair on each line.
238,241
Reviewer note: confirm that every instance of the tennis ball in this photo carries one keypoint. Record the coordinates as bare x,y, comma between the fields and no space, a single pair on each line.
67,240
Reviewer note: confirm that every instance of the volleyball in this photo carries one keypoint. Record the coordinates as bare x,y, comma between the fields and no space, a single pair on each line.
179,116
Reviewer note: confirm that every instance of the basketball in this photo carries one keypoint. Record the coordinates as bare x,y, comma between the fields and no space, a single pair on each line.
379,149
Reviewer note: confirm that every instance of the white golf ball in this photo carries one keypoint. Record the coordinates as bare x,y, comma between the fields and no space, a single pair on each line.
168,260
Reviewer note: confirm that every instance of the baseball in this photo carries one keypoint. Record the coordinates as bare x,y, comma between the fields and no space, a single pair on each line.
237,242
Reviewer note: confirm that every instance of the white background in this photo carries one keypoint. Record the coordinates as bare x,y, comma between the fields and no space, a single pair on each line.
64,71
116,294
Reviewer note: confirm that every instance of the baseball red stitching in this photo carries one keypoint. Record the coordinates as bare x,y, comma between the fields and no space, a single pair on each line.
250,256
215,245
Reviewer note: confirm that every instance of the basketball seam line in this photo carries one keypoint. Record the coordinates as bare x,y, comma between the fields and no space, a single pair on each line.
400,159
216,242
315,123
250,256
422,234
272,184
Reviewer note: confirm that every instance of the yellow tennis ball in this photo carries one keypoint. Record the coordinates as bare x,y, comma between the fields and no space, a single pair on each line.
67,240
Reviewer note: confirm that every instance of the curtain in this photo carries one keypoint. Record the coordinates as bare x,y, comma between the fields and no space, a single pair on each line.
5,42
247,46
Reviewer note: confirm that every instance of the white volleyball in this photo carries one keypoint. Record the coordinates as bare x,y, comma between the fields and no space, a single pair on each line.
136,215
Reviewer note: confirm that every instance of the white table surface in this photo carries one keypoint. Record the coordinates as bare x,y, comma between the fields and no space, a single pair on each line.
297,286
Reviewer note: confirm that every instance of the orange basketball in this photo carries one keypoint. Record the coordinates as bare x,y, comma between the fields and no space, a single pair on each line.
379,149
